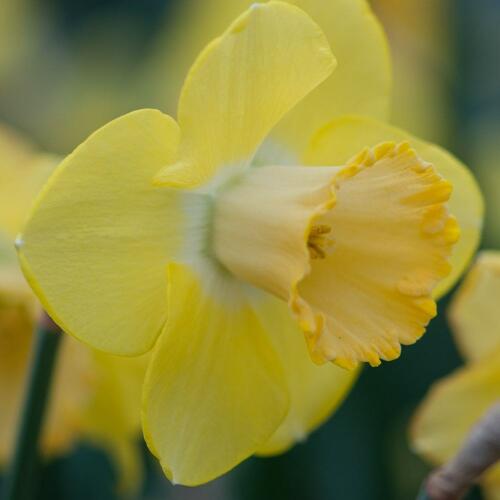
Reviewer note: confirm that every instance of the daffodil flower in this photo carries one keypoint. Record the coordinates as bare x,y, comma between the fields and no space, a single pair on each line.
219,245
95,395
458,401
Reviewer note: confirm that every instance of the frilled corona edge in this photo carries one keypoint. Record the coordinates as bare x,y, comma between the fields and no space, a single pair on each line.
390,226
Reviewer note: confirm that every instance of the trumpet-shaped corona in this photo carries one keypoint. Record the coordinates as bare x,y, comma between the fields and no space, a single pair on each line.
294,232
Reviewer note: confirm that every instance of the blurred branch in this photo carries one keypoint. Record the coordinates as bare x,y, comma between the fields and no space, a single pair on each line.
479,452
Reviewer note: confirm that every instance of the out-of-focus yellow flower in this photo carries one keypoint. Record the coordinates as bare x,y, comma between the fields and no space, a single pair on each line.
457,402
423,69
95,396
257,246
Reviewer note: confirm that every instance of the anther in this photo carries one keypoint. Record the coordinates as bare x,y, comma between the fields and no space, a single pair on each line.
318,242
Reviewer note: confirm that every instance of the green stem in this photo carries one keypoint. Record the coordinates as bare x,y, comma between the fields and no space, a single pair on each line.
22,471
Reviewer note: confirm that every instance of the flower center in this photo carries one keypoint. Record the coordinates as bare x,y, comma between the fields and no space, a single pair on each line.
319,241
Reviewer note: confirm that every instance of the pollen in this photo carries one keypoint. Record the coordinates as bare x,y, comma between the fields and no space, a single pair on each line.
319,241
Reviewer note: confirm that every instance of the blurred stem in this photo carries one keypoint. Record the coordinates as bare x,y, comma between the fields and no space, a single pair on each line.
22,472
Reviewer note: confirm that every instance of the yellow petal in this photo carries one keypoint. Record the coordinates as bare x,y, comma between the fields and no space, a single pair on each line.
315,391
343,137
242,84
453,406
361,83
214,391
22,172
97,242
474,311
112,416
95,396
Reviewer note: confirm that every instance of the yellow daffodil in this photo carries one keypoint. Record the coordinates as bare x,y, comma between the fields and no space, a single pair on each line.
457,402
95,396
218,240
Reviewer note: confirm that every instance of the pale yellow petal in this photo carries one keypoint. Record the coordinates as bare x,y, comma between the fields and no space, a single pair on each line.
343,137
214,391
92,397
242,84
96,244
474,312
315,391
361,83
452,407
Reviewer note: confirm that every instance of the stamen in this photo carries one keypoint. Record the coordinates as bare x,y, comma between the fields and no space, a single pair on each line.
318,242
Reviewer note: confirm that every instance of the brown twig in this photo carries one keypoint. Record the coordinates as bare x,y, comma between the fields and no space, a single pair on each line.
479,452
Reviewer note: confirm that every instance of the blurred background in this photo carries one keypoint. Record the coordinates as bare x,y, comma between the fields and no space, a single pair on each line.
69,66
